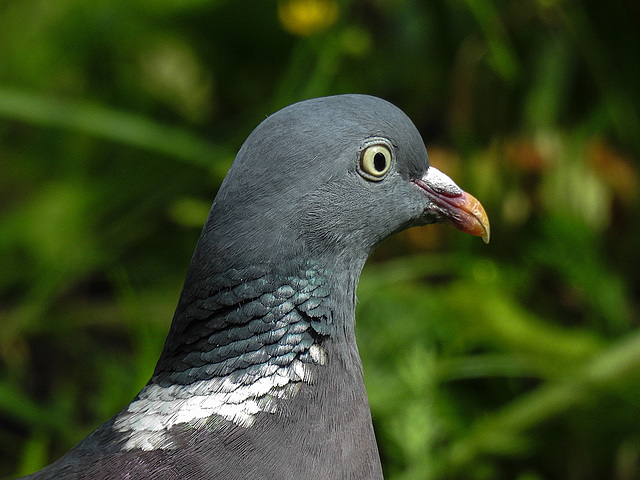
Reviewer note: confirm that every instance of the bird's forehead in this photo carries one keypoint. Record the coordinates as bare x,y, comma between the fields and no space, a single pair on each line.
347,117
329,129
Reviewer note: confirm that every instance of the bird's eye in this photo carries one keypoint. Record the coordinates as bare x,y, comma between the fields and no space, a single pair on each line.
375,161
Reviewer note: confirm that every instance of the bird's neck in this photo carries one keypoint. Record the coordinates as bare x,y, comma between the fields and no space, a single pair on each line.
246,342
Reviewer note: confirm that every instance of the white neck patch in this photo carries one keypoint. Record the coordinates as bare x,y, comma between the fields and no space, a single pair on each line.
148,419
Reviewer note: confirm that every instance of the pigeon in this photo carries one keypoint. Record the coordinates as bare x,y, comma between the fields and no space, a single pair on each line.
260,375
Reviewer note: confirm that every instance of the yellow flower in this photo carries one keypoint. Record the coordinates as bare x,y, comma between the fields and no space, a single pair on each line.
306,17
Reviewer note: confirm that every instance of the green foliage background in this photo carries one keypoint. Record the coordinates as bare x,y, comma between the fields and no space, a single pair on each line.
119,118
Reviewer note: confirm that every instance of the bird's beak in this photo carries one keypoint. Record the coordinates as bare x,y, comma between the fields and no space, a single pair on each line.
459,208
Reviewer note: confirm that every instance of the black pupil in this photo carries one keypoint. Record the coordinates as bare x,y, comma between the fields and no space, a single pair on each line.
379,161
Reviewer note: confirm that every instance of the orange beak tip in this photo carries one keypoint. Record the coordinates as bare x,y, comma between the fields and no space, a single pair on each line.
472,217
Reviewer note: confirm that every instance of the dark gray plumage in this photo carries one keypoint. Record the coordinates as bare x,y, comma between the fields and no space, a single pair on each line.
260,375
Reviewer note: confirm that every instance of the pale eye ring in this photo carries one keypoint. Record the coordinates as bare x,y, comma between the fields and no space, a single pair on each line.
375,161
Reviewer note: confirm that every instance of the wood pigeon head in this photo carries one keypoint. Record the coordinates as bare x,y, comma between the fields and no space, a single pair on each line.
333,177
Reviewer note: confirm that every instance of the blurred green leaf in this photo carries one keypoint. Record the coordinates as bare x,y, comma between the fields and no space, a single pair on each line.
110,124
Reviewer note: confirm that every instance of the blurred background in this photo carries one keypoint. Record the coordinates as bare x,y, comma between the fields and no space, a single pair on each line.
517,360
